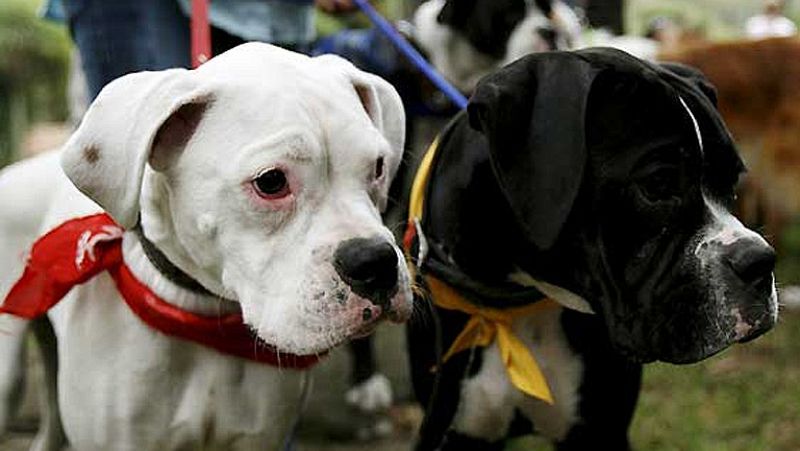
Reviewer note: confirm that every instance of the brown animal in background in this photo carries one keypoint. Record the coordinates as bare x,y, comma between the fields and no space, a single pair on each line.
758,89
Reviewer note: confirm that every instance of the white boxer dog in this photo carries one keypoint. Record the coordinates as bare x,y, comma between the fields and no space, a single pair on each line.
250,189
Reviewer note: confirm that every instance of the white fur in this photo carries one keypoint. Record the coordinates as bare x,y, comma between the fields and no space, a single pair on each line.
463,65
488,400
723,230
124,386
563,296
450,53
372,395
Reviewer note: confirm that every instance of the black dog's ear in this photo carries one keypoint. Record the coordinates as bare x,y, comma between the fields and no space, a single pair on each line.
532,113
695,77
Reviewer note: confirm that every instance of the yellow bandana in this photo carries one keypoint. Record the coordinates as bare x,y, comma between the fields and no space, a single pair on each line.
485,324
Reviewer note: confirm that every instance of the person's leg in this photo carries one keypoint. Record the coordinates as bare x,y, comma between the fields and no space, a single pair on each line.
123,36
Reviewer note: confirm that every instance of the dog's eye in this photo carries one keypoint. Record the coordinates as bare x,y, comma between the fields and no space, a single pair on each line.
379,168
663,184
271,184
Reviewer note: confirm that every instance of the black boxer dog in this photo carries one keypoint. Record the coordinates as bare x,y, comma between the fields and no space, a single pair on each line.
602,183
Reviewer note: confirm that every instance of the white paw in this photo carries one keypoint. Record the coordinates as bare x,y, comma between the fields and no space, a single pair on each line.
372,395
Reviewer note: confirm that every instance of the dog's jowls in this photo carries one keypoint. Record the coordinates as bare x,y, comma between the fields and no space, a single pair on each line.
261,176
604,182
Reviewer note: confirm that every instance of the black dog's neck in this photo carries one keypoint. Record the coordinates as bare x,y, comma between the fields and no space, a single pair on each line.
165,267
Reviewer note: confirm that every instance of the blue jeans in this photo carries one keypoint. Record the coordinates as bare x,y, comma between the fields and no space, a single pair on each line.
116,37
366,48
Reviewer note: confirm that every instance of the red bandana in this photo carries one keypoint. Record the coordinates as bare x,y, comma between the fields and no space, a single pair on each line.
81,248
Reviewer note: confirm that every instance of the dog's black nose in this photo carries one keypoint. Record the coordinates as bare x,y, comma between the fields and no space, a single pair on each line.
753,261
369,267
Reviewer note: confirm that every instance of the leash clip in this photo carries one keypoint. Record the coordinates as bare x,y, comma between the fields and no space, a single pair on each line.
422,243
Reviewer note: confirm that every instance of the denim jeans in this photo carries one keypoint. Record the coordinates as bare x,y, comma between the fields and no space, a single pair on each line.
116,37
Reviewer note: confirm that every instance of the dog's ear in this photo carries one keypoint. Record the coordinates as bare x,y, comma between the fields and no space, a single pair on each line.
695,77
532,113
139,117
383,105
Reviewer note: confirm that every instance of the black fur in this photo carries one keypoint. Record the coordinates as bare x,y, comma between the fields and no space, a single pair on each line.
487,24
584,170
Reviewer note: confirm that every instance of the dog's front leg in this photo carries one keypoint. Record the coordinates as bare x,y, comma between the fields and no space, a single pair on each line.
487,406
609,390
51,436
471,413
12,367
455,393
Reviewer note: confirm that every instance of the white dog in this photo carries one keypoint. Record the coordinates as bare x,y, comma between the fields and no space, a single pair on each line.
251,186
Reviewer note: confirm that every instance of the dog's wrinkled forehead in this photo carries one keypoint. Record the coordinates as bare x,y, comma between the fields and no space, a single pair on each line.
237,98
260,71
538,112
628,116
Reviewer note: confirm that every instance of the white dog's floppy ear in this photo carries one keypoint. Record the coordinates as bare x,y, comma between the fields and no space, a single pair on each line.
382,104
136,118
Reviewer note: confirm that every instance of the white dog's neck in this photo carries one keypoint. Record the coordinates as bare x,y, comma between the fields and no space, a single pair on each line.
147,273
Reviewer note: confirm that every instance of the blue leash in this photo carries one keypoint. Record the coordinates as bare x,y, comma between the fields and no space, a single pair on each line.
412,54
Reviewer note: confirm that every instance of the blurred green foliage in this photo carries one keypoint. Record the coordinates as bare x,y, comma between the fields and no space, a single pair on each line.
34,62
744,399
717,19
328,24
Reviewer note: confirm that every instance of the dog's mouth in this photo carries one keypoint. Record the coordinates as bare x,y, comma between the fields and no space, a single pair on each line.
329,314
692,324
265,351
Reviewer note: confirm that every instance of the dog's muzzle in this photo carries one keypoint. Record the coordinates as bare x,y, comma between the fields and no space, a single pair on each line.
369,267
752,263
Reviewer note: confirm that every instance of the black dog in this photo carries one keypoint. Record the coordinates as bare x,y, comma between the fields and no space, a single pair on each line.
488,24
600,182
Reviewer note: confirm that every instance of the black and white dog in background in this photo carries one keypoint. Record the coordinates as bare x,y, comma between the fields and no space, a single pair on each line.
603,182
468,39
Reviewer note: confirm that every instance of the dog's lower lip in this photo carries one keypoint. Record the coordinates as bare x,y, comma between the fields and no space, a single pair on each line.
263,344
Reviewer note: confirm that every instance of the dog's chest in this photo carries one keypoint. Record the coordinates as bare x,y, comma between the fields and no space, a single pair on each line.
144,390
236,406
563,370
489,401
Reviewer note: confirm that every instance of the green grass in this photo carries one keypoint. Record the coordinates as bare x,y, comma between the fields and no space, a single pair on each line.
745,399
